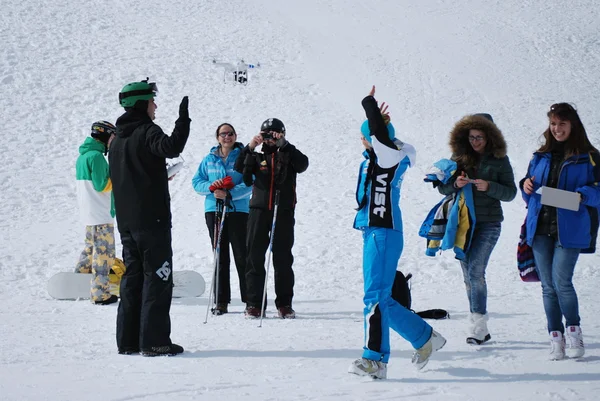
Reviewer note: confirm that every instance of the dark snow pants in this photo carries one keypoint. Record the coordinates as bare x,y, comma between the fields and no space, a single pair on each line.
234,233
143,319
259,227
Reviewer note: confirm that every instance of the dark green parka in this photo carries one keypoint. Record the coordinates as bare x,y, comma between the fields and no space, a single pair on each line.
493,166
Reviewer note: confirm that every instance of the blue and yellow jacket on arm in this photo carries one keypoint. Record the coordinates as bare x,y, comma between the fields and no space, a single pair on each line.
450,223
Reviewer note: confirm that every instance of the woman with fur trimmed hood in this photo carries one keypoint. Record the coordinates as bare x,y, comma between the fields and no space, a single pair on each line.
479,150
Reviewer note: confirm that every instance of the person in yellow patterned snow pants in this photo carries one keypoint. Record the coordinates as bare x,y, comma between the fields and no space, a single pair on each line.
97,258
94,196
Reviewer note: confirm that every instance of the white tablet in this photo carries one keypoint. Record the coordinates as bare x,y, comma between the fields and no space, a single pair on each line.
560,199
174,169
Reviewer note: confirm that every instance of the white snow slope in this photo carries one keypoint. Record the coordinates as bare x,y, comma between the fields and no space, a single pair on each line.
62,64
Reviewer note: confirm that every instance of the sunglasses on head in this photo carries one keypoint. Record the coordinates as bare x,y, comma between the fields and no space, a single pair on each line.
226,134
561,108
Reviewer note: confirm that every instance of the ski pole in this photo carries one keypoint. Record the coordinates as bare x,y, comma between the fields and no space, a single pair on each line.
216,255
264,297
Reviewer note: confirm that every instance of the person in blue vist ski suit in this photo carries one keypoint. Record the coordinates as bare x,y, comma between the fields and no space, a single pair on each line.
209,181
380,220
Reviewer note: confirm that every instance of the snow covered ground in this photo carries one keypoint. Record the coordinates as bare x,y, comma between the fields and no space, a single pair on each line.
62,64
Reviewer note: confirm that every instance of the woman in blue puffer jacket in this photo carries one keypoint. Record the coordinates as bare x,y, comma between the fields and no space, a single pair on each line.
568,161
208,181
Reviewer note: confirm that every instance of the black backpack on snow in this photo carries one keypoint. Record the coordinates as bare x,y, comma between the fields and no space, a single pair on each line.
401,293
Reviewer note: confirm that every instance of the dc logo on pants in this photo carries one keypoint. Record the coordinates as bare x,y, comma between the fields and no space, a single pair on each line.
164,272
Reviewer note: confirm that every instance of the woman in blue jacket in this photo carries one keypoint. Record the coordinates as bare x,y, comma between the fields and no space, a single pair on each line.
380,220
568,161
208,181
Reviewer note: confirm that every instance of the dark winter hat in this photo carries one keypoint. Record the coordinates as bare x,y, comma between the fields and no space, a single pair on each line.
273,124
485,115
102,130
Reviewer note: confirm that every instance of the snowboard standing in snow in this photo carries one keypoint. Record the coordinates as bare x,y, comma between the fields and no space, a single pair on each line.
68,285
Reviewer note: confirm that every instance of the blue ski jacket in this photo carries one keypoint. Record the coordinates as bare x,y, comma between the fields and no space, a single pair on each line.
213,168
579,173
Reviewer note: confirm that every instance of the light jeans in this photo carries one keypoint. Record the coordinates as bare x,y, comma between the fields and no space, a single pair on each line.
485,237
555,266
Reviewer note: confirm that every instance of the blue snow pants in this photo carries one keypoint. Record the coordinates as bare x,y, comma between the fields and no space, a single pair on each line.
382,248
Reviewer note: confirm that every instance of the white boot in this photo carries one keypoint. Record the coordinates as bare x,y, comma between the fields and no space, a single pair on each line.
557,346
575,339
478,333
368,367
422,355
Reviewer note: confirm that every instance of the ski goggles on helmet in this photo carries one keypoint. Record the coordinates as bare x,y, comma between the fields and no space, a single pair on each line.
135,91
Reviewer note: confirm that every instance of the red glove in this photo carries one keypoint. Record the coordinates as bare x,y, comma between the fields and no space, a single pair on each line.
226,183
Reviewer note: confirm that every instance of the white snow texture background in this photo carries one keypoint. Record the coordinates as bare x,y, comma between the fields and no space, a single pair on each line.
62,64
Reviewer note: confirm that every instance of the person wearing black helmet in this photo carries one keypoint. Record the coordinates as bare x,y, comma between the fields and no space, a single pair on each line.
95,207
142,204
273,170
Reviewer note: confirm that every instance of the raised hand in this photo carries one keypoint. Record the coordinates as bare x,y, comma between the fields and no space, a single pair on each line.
183,108
255,141
384,113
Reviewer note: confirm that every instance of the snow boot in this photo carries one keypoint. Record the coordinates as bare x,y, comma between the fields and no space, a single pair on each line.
110,300
422,355
286,312
478,333
165,350
219,310
368,367
575,338
253,312
128,351
557,346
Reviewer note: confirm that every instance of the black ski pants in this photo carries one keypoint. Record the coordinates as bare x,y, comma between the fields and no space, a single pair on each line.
259,227
234,233
143,319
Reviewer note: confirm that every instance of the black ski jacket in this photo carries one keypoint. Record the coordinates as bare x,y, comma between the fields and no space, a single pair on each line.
276,169
138,170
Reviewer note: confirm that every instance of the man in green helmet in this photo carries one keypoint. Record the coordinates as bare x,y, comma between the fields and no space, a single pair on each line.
142,204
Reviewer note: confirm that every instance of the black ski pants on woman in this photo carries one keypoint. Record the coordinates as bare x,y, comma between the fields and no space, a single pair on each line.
143,319
259,226
234,233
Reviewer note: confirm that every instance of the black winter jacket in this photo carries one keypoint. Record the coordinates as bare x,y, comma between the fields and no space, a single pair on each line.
276,169
138,170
